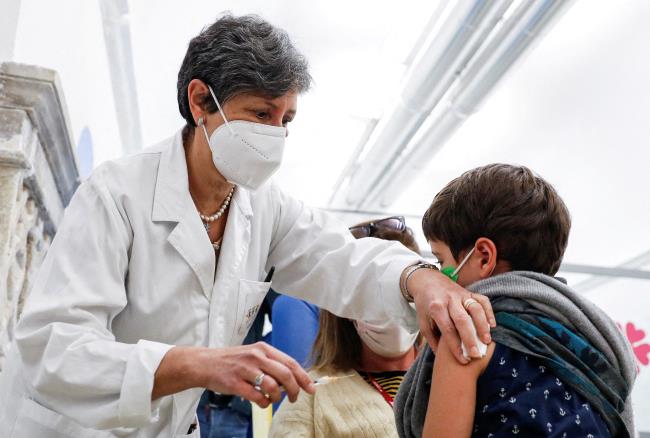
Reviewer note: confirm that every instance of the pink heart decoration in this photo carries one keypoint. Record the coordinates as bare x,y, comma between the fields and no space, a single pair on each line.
634,335
642,353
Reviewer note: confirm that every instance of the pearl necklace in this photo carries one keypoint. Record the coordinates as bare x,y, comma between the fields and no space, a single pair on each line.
207,220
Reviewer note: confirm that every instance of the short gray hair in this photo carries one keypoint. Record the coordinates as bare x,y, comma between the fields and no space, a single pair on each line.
241,54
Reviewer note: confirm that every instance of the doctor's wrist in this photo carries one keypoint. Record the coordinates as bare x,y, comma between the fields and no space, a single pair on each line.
201,363
411,280
180,369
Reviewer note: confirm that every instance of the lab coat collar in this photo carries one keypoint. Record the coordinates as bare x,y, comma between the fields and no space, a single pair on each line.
236,242
172,203
172,186
242,199
172,192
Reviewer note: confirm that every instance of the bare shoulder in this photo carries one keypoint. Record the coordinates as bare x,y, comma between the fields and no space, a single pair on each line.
473,369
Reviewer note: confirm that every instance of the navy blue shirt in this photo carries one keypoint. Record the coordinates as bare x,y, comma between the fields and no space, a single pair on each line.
516,395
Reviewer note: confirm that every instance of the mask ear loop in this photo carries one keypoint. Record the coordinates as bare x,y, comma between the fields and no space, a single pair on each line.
220,111
469,254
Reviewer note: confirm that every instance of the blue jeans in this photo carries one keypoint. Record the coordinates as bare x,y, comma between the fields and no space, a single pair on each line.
223,422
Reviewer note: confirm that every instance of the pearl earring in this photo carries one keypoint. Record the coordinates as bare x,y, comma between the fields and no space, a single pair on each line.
200,121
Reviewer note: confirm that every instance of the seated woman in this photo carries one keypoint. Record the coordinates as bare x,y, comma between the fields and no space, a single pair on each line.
363,364
559,366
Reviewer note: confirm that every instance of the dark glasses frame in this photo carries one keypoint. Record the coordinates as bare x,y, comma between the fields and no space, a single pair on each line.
394,223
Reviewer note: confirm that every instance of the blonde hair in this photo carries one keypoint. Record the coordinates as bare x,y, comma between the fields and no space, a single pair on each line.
338,346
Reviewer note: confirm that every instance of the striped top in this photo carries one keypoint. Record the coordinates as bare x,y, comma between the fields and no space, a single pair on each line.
388,380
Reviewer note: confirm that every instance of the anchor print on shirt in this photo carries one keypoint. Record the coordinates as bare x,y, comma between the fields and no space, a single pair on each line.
515,430
533,413
577,418
502,393
503,418
502,361
558,382
567,396
546,392
512,400
514,372
528,385
562,412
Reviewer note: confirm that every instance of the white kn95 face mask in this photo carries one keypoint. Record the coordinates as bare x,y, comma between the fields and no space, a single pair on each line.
246,153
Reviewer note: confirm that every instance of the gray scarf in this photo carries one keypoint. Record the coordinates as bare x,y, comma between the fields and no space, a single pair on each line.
548,297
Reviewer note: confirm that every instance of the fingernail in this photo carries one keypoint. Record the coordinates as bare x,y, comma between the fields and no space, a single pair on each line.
493,323
487,339
312,388
474,352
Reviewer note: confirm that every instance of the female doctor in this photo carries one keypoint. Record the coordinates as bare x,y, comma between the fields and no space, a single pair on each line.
155,274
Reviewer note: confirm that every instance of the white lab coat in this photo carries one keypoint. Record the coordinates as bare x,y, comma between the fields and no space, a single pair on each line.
131,273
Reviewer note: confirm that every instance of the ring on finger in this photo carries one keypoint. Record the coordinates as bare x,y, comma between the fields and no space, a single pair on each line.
257,385
259,379
468,302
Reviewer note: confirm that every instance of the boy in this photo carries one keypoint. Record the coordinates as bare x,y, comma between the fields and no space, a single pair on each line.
558,365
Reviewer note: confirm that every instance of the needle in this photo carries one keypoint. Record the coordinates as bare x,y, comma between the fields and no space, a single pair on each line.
323,380
327,379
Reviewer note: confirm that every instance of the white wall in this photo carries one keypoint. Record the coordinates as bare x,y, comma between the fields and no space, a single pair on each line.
8,26
68,37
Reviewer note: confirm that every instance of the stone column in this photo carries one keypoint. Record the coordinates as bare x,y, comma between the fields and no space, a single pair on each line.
38,175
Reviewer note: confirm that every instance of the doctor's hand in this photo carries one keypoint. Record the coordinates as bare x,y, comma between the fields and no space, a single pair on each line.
233,370
439,305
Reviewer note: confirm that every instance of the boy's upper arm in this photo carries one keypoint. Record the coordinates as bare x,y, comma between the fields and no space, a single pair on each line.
473,369
452,381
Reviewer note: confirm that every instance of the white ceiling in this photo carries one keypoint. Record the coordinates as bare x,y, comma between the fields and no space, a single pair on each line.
575,109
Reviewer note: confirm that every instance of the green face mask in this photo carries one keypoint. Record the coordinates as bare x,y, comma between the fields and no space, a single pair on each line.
452,272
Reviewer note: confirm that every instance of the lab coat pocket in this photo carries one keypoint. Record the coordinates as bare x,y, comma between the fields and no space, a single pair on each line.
35,420
249,301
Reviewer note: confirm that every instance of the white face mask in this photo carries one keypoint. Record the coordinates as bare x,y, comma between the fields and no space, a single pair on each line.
387,339
247,154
